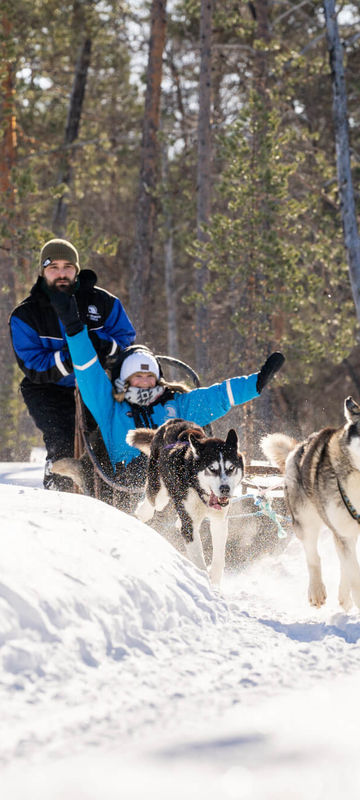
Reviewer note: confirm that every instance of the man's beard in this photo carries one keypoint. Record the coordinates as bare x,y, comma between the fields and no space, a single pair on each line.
63,285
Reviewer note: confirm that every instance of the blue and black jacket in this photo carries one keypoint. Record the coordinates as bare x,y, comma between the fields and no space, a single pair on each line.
38,336
115,419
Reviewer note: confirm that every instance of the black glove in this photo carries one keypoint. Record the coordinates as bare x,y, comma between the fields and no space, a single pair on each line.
66,308
272,365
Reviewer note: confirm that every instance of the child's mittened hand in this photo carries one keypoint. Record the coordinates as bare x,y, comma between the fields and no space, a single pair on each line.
271,366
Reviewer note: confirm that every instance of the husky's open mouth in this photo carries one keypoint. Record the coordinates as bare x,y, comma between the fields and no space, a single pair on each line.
218,502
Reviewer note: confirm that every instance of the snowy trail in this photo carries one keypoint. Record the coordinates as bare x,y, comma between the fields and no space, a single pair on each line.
119,662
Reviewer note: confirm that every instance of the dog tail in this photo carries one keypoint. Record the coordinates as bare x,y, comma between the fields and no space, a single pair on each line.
276,447
71,468
141,438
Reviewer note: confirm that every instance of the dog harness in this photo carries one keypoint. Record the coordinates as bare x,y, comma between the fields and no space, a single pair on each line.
351,509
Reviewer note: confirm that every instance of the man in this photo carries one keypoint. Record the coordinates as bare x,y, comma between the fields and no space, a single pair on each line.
38,339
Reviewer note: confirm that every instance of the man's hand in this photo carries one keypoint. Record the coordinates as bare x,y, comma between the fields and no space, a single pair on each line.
66,308
271,366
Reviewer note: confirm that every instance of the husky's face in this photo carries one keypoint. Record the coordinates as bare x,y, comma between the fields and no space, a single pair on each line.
220,468
352,430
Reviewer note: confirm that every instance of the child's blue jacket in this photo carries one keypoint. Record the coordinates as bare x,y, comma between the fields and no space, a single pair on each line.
115,419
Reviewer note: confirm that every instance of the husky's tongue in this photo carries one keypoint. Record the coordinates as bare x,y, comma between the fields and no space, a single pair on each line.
217,502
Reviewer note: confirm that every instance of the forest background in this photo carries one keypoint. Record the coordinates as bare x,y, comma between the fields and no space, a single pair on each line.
187,149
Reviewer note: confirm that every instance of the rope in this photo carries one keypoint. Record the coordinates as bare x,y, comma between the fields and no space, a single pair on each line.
263,501
265,507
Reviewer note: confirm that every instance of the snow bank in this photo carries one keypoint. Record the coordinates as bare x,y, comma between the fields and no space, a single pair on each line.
123,673
81,582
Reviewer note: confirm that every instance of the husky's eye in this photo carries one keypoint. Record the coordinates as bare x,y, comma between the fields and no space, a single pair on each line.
213,469
230,469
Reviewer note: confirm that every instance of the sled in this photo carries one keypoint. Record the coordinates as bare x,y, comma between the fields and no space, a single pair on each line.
106,487
104,484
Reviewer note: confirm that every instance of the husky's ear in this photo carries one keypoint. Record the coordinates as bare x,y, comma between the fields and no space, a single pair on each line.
351,410
195,445
232,440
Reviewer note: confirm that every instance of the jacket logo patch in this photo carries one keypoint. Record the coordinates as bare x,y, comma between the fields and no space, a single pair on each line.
93,313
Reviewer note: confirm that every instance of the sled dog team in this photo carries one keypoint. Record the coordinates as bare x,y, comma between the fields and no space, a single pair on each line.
154,433
322,487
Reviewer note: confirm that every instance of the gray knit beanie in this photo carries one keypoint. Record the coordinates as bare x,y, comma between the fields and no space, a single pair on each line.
59,249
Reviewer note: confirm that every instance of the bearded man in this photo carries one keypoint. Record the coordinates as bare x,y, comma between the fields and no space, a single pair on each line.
38,339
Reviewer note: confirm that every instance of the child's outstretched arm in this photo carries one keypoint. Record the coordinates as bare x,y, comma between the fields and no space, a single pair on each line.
206,404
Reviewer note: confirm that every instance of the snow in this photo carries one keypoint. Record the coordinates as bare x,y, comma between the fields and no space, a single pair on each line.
124,674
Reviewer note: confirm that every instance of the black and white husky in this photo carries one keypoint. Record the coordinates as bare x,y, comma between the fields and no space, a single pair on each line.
200,474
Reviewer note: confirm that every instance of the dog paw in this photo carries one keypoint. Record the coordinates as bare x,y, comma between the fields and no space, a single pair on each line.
345,599
317,595
144,512
345,602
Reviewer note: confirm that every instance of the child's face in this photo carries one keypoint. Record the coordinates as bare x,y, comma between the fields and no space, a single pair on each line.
143,380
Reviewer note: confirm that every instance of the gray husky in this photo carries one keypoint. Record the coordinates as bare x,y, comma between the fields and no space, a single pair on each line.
200,474
322,486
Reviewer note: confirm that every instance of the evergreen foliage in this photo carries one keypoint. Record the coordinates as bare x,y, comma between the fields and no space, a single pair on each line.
275,252
277,244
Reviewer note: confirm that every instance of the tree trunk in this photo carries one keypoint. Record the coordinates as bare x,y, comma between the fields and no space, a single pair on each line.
7,278
142,262
7,360
262,410
170,285
71,133
203,179
341,130
175,72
